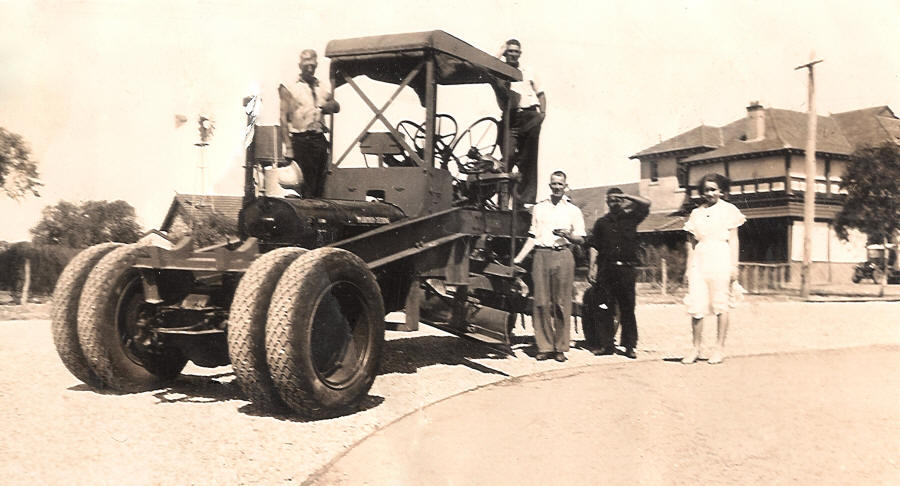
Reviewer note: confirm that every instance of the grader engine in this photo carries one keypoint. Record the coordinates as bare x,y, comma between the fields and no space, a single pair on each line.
297,307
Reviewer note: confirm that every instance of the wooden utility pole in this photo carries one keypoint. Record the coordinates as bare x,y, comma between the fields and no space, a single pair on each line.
809,195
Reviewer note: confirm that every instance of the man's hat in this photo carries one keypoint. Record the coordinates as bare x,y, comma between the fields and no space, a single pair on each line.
614,190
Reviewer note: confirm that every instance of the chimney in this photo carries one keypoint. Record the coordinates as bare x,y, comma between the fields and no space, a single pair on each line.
756,122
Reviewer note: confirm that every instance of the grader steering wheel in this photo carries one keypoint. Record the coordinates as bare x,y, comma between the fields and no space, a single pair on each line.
477,148
445,128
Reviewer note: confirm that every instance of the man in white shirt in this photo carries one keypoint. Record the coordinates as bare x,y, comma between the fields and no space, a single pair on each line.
556,225
529,108
303,106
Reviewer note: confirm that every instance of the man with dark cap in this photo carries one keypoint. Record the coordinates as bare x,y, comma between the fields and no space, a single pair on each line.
529,107
303,106
613,256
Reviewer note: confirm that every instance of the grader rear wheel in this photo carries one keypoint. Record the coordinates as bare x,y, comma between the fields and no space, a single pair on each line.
325,332
114,325
64,313
247,326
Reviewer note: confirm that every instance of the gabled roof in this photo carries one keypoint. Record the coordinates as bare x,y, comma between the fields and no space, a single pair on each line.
702,137
228,206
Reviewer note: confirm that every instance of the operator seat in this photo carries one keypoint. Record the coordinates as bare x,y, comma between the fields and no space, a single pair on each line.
385,146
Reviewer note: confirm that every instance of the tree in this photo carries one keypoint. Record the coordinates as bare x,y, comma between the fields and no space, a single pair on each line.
86,224
18,173
872,182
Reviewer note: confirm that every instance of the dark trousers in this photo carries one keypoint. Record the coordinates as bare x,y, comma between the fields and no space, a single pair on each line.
553,273
524,147
311,153
613,289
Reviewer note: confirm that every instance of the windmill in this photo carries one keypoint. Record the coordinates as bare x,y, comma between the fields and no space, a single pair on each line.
206,127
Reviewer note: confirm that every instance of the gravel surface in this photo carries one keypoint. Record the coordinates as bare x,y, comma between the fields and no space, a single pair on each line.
54,430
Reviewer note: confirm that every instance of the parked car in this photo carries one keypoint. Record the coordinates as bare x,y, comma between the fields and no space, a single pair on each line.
879,259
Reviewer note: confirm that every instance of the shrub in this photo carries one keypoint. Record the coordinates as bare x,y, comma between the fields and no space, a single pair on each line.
676,261
47,263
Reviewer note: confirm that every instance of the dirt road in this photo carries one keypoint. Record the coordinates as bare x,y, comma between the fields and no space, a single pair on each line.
54,430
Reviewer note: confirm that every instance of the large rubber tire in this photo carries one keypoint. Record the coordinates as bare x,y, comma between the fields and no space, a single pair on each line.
325,333
107,310
247,326
64,312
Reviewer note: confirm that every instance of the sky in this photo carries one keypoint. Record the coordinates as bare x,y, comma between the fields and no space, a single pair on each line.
94,86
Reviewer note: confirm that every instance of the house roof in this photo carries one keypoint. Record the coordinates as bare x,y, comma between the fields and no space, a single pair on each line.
662,222
702,137
592,200
784,129
229,206
839,133
869,126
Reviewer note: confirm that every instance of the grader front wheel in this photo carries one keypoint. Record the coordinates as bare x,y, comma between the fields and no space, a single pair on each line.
64,313
325,332
113,327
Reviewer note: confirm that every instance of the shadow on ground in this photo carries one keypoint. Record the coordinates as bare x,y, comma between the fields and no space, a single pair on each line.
407,355
404,355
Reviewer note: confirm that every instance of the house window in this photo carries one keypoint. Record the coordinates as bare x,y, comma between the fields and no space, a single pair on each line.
654,171
681,172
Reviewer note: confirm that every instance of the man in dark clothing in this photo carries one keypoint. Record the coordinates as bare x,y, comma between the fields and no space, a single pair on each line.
613,256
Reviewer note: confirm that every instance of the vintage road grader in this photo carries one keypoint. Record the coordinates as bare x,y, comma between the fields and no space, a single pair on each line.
298,306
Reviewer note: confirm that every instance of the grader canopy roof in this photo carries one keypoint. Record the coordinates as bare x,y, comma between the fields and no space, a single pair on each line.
388,58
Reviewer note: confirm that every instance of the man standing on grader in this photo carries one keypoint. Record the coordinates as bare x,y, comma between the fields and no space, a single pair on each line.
303,106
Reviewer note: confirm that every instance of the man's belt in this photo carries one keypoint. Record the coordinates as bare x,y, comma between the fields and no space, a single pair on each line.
308,133
553,248
528,108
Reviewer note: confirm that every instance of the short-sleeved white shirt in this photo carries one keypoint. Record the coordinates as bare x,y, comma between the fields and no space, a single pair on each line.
546,217
713,223
528,88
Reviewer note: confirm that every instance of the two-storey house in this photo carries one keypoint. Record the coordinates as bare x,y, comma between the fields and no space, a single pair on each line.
763,155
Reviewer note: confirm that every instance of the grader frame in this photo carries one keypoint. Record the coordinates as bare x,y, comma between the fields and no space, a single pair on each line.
297,307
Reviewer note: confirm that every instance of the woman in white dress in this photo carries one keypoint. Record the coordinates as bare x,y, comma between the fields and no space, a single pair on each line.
712,262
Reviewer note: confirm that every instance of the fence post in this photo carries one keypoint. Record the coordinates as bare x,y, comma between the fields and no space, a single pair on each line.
26,285
663,270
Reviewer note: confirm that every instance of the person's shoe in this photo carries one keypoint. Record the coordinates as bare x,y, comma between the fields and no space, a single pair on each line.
560,357
604,351
543,356
691,357
629,353
716,357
